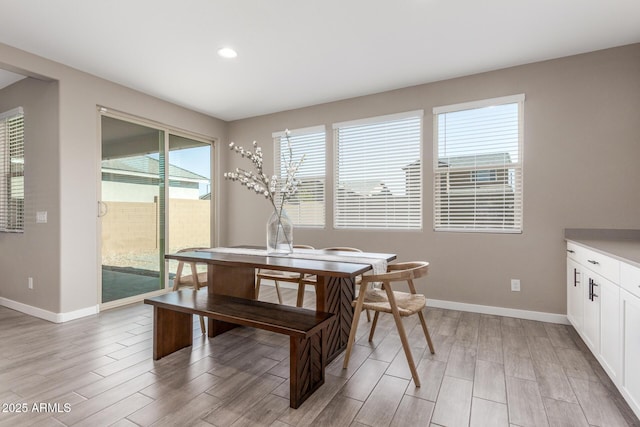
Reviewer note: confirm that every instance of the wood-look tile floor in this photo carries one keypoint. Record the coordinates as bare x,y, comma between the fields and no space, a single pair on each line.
487,371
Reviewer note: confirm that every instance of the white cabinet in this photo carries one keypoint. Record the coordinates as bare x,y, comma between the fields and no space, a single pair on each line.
591,323
610,351
603,305
630,328
593,302
575,305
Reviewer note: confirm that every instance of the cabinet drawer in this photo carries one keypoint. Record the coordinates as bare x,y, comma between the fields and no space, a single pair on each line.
603,265
630,278
574,251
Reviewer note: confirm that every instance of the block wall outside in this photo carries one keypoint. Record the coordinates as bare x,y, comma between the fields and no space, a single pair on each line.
189,224
131,227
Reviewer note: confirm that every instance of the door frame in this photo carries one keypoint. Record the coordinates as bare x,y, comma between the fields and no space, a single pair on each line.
167,130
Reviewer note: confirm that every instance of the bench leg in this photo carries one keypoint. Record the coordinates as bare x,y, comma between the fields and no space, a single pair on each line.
172,331
308,360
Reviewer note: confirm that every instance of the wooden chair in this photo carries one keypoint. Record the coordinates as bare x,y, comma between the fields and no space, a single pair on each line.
281,276
311,280
195,280
399,304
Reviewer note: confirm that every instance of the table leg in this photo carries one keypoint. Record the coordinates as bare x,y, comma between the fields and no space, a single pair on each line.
172,331
334,295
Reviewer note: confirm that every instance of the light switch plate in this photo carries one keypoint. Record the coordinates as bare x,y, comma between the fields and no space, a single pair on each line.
41,217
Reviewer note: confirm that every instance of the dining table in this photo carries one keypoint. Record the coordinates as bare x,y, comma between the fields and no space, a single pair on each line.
232,271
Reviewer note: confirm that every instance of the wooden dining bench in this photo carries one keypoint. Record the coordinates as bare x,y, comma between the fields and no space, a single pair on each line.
173,330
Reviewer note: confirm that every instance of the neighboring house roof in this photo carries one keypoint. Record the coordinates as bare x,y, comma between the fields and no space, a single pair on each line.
491,159
364,187
148,166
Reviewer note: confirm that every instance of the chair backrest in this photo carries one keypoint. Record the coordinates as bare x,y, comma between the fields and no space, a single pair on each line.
303,247
191,249
400,271
342,249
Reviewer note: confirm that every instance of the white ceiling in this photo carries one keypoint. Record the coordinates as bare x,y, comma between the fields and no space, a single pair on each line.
295,53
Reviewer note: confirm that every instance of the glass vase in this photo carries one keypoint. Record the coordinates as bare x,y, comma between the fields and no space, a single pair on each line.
279,234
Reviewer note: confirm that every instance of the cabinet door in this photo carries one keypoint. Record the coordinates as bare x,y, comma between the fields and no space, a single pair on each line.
610,357
575,298
591,318
630,319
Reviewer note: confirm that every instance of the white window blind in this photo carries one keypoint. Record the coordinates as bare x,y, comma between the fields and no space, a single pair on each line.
307,207
478,166
378,172
12,171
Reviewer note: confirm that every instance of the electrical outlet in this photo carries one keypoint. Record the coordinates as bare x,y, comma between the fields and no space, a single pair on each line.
30,282
515,285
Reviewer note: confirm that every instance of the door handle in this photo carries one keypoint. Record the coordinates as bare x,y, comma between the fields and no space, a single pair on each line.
103,209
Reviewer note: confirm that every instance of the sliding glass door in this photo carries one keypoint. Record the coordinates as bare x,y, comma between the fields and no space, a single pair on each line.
189,210
142,167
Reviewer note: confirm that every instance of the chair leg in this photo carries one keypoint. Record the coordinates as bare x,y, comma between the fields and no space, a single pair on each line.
403,335
426,331
373,325
368,313
354,329
300,299
278,292
176,279
202,327
407,349
257,290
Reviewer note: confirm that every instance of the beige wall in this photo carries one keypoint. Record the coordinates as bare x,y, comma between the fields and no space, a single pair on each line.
35,252
581,153
74,179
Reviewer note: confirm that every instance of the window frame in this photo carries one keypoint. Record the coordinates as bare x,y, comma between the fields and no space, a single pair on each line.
6,174
277,138
389,118
518,166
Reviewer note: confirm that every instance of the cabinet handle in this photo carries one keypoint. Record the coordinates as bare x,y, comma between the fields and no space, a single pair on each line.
593,294
593,262
575,277
590,289
571,251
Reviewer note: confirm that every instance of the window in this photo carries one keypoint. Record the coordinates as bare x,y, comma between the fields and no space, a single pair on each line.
12,171
478,166
307,207
378,172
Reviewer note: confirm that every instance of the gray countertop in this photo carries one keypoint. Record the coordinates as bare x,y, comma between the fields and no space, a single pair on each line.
623,245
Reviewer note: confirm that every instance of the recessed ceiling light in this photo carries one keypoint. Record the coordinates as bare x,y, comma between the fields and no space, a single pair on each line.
227,52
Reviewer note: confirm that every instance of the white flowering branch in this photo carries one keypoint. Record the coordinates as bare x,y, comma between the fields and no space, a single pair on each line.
260,183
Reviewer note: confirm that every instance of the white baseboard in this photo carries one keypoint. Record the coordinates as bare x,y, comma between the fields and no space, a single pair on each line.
474,308
48,315
500,311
